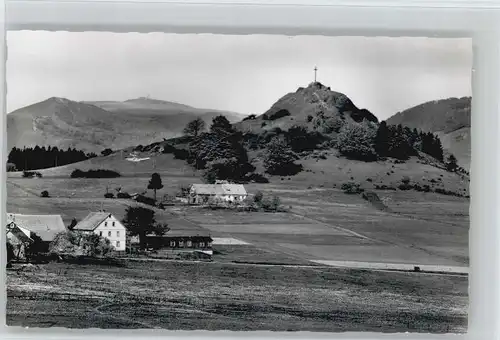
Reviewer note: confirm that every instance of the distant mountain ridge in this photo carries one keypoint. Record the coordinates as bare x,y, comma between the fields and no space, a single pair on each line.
93,126
449,118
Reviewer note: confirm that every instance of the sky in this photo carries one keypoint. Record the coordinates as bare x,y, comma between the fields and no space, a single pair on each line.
245,74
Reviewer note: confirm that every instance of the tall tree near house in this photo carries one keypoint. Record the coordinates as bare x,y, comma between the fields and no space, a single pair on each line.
280,159
194,127
140,222
36,247
155,183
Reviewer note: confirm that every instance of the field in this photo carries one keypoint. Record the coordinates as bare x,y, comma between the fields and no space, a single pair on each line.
274,278
215,296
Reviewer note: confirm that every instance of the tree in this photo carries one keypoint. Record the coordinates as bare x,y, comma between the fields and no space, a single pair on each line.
300,139
280,159
140,222
95,245
356,141
36,247
451,165
155,183
194,127
221,124
382,140
257,198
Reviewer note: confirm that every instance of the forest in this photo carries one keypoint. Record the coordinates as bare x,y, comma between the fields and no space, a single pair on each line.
44,157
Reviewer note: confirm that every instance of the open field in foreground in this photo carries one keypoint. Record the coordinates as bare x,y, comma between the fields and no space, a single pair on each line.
215,296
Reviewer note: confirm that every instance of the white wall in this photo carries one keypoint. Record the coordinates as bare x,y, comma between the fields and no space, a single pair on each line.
114,231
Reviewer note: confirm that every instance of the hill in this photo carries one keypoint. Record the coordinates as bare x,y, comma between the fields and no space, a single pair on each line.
93,126
308,106
448,118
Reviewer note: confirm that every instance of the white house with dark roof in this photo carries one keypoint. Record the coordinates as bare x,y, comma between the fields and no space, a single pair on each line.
106,225
220,191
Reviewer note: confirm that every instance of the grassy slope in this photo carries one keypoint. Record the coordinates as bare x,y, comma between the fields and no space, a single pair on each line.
218,296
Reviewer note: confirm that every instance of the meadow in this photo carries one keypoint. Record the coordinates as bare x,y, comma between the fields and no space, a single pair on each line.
218,296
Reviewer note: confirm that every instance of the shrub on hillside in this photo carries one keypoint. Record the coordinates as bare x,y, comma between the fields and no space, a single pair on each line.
300,139
44,193
355,141
405,187
443,191
99,173
278,114
351,188
384,187
181,154
109,195
31,174
250,117
123,195
145,200
106,152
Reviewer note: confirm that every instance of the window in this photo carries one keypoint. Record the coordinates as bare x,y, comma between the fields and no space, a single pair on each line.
189,244
117,243
209,244
181,243
100,233
109,233
172,243
113,224
118,233
105,224
202,244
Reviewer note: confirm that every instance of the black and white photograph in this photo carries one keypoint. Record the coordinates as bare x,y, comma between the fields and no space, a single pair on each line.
238,182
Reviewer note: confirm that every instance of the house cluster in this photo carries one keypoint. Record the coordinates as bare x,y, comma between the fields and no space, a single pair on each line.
22,228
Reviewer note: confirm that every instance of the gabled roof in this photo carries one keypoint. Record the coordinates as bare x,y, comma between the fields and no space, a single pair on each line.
92,221
45,226
23,235
218,189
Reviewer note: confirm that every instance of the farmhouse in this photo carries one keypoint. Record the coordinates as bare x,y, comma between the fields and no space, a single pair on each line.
218,192
106,225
